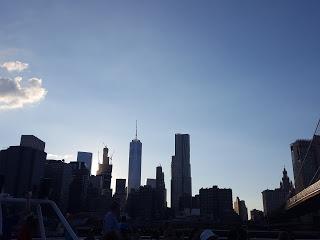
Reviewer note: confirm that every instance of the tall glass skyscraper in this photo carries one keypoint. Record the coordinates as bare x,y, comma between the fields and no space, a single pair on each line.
85,157
181,172
134,176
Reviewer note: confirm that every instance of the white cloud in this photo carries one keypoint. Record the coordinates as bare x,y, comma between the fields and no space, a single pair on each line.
15,66
18,78
15,93
59,157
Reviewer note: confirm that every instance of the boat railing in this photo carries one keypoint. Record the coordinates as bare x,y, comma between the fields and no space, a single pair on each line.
37,203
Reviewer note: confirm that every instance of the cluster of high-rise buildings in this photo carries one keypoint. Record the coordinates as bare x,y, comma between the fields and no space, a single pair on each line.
25,169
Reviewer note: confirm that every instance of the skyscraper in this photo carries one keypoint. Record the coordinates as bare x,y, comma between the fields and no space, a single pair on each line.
160,186
85,157
241,209
305,156
60,174
180,171
161,193
22,167
120,186
274,199
105,170
78,188
32,142
120,194
134,176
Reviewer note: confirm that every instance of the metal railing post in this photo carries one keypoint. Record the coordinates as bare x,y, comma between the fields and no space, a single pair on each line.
63,220
1,222
41,224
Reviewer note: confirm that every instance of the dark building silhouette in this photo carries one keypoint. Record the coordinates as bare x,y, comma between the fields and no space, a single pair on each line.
195,201
99,194
22,167
149,201
98,200
275,199
161,194
216,203
105,170
185,203
257,216
79,187
32,142
134,174
160,187
181,173
305,166
151,182
241,209
45,188
141,203
94,193
120,186
60,174
121,193
96,182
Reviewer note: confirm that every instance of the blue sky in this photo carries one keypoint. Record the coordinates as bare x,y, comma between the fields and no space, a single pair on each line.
242,78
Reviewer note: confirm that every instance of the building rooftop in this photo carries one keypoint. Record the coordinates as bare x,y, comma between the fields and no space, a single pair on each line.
33,142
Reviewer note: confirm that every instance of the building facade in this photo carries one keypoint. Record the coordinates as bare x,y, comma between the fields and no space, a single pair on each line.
22,167
216,204
241,209
60,174
32,142
180,172
257,216
105,171
78,189
120,195
161,194
141,203
120,186
305,156
151,182
85,157
195,202
134,175
98,200
160,187
94,193
273,200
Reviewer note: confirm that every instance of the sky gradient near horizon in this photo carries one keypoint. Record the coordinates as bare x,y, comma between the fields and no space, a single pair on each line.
242,78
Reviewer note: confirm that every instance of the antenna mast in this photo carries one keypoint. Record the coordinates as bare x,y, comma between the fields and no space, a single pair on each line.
136,130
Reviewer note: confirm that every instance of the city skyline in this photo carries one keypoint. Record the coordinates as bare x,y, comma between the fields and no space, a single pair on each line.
183,145
240,78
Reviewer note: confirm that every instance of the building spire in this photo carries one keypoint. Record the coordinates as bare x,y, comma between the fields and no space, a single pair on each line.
284,171
136,130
